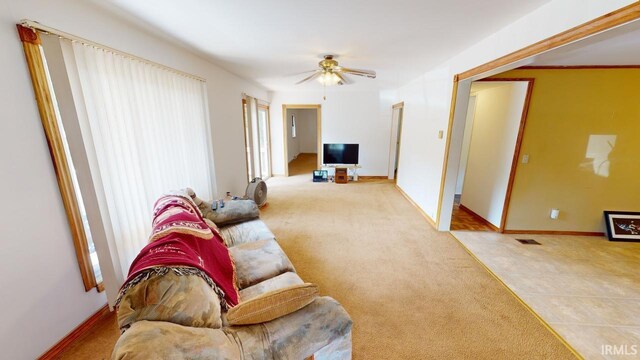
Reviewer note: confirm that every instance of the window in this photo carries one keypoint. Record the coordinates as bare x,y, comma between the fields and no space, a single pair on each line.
136,130
265,146
293,126
146,132
257,139
60,156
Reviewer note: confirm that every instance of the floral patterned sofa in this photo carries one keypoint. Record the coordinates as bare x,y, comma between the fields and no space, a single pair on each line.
179,317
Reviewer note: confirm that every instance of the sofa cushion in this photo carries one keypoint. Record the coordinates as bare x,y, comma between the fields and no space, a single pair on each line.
245,232
272,305
258,261
180,299
281,281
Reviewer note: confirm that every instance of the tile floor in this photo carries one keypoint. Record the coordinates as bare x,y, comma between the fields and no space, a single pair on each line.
586,288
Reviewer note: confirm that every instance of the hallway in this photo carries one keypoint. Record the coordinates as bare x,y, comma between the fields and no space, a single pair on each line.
305,163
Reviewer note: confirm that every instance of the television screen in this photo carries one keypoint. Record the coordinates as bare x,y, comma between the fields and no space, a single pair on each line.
340,154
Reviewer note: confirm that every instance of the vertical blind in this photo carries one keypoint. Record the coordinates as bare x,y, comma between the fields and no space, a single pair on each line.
149,133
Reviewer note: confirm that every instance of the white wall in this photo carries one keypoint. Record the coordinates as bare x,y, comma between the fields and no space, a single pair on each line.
359,117
428,98
307,131
42,293
493,141
466,143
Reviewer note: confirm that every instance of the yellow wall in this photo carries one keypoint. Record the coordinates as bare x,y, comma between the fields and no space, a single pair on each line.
571,165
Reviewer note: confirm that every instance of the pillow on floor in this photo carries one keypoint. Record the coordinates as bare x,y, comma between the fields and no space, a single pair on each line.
272,305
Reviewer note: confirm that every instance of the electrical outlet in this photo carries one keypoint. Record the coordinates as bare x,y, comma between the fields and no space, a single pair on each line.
525,158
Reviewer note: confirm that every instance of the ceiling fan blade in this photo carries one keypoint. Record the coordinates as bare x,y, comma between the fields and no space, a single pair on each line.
310,77
367,73
344,80
302,73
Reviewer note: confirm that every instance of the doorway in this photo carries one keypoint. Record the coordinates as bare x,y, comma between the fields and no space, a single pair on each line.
495,121
303,139
396,136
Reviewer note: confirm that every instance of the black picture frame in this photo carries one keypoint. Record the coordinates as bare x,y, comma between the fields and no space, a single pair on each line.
622,225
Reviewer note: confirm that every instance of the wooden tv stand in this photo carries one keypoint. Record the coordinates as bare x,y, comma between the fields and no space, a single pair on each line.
341,175
345,169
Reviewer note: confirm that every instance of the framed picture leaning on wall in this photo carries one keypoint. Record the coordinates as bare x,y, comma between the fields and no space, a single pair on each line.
622,225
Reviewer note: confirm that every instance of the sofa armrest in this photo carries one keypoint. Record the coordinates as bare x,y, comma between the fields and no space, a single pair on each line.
165,340
294,336
304,332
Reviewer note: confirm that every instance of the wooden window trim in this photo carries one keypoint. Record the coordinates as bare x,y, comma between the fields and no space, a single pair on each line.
33,53
244,137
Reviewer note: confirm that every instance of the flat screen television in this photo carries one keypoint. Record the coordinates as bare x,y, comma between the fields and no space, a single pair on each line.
340,154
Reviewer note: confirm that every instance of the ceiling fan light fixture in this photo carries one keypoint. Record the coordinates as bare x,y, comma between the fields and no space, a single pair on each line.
328,78
330,73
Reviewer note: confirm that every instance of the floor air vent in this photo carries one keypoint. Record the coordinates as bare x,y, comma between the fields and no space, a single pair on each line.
528,242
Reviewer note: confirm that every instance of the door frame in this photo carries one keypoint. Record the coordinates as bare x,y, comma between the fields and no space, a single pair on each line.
285,137
462,81
397,141
516,151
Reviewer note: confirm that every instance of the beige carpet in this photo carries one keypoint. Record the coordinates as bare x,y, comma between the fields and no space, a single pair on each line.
412,292
97,343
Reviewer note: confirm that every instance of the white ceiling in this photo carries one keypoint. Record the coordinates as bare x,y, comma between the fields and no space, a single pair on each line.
619,46
268,41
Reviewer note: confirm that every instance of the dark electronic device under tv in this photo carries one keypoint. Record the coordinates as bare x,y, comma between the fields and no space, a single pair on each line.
320,176
340,154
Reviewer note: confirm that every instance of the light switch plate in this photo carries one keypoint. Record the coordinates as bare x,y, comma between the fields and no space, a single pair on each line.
440,134
525,158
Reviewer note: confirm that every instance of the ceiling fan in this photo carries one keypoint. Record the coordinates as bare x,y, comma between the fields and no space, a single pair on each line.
330,73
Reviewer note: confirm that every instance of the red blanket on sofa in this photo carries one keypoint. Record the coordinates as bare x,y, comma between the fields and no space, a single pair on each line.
181,237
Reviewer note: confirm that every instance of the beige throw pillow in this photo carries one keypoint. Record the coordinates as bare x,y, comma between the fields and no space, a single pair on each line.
272,305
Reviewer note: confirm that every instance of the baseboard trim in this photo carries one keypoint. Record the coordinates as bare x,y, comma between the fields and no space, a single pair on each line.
551,232
424,214
373,177
76,334
480,218
520,300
